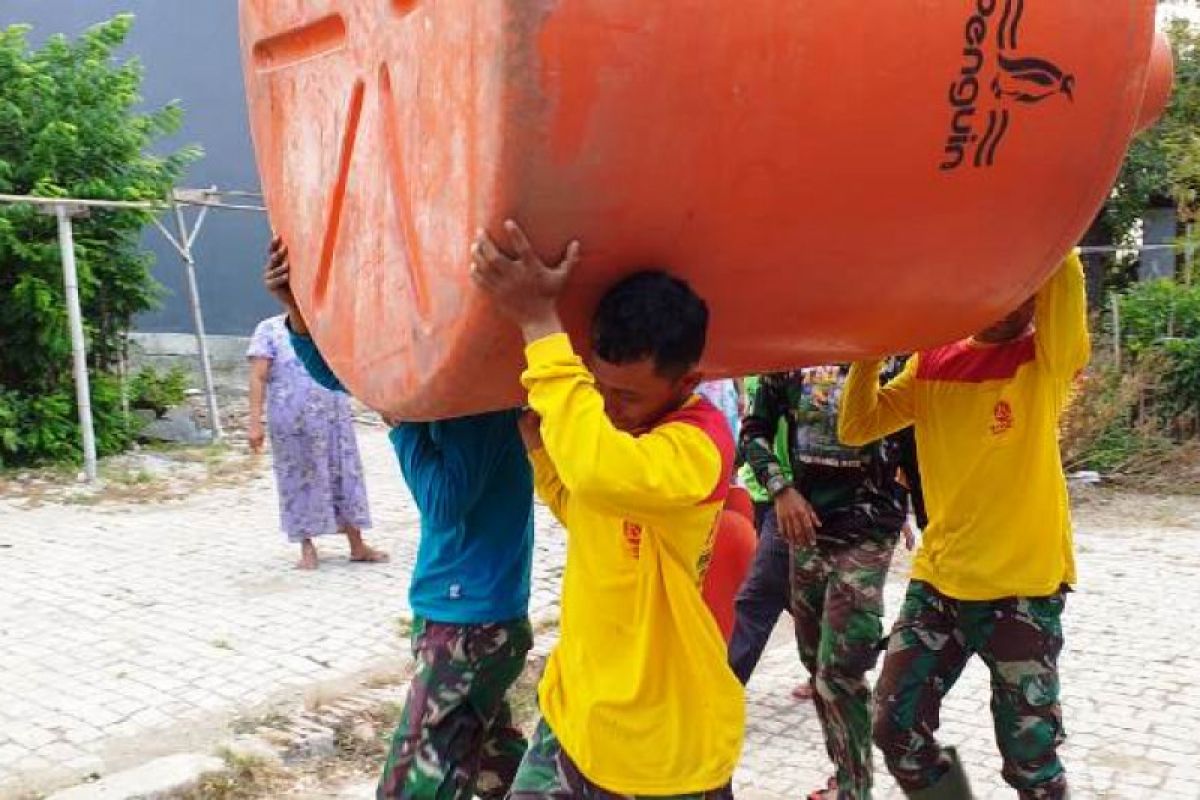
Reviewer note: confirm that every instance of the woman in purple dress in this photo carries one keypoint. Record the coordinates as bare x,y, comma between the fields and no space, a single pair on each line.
317,468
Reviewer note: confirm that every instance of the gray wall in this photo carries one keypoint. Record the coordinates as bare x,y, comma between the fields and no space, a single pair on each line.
1159,226
190,52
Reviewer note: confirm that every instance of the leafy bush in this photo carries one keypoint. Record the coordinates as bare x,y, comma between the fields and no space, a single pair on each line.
1143,420
1160,324
157,391
1158,310
39,428
1182,400
69,127
1105,429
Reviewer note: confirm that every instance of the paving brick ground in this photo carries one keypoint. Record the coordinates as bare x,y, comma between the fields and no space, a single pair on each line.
131,631
1131,700
128,632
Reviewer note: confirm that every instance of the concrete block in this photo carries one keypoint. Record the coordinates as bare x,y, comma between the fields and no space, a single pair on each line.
155,780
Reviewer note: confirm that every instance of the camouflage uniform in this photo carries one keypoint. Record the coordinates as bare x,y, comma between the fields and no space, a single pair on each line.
837,584
547,773
1019,639
830,475
456,737
837,603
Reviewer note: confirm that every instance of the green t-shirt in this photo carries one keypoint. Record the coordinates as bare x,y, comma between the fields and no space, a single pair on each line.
757,492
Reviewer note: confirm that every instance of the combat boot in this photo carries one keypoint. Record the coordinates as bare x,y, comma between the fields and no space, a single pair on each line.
952,786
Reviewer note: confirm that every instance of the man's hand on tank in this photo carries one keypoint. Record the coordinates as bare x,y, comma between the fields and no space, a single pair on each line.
277,277
522,286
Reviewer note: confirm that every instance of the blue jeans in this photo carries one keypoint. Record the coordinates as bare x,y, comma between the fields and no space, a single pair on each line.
763,597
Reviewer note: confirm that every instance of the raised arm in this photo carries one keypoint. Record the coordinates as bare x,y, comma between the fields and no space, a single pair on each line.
448,464
868,411
1060,320
677,464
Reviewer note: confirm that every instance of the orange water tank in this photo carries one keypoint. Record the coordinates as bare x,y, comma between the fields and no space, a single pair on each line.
733,553
740,502
838,178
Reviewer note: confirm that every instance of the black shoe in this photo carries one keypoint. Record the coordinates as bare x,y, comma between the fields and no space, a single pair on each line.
952,786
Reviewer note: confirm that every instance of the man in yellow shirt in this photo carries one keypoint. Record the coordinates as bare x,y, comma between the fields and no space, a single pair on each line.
638,698
997,559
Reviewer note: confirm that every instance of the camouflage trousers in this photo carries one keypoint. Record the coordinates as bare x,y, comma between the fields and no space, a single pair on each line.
1019,638
548,773
837,605
456,737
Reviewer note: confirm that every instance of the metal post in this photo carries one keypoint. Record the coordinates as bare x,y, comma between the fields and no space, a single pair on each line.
184,246
1116,314
123,366
83,395
1189,253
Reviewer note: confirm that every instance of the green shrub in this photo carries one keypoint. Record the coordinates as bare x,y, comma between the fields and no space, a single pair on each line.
158,392
45,428
1160,324
1155,311
70,126
1143,420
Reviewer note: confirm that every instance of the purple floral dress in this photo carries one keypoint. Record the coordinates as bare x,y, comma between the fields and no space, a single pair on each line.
723,394
317,467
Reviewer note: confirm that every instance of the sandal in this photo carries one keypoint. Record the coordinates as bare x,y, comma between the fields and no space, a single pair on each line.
830,792
803,691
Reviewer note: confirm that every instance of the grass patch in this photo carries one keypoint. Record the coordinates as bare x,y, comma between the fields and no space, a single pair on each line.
380,678
546,625
247,778
274,720
1116,426
154,474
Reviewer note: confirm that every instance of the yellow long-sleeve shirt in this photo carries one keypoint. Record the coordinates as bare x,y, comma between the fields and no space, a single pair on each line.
986,422
638,689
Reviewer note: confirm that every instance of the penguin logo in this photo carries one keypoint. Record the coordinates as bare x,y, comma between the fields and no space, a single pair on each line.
991,57
1008,32
1031,80
1025,80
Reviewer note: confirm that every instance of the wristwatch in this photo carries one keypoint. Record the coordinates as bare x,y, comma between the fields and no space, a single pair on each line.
777,484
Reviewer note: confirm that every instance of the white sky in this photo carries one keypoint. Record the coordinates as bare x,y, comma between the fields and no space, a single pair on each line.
1180,8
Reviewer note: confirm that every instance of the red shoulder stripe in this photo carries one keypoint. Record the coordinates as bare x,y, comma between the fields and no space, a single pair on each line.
709,419
963,362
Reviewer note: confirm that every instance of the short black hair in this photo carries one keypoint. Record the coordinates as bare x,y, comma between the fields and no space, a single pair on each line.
651,314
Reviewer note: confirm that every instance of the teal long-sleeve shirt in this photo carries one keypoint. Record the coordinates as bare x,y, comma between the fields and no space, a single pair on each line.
473,485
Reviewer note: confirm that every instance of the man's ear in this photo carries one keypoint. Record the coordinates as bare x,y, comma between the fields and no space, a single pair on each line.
691,381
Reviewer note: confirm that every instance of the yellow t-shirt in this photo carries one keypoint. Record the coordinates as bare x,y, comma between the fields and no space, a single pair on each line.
987,444
638,689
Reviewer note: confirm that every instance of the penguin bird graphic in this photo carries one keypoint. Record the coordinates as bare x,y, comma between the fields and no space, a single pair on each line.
1031,80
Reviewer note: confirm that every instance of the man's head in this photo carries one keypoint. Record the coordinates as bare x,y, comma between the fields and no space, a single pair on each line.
648,335
1011,327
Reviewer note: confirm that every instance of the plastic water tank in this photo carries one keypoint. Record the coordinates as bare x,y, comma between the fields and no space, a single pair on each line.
732,557
839,179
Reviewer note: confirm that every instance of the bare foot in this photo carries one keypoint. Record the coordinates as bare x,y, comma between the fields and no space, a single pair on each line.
830,792
308,556
359,552
803,691
368,555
